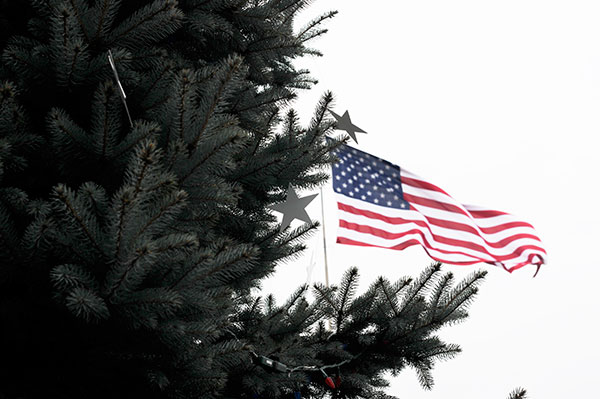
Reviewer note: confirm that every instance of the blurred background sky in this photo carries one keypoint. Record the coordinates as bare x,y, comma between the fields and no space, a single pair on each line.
498,103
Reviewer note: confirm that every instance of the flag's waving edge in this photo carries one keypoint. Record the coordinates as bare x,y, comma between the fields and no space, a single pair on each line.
381,205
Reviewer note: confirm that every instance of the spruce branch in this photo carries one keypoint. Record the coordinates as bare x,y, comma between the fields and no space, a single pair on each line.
422,283
105,119
87,305
423,369
461,295
291,10
142,132
440,289
269,100
161,74
228,73
69,276
325,102
518,393
226,264
121,205
184,99
296,296
27,58
94,197
80,8
71,55
148,25
156,303
85,222
346,293
290,240
309,31
217,149
104,13
164,214
129,273
324,297
66,134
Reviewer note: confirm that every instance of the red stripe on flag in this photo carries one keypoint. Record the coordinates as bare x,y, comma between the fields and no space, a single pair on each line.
530,261
422,184
378,216
404,245
399,247
434,204
470,229
419,184
445,240
434,221
486,213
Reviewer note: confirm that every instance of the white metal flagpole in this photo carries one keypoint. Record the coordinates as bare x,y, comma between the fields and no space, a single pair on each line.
328,325
324,240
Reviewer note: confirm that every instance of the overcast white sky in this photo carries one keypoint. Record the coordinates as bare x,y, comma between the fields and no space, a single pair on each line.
498,103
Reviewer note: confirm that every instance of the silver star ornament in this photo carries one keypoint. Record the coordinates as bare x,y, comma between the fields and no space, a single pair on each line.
344,123
293,208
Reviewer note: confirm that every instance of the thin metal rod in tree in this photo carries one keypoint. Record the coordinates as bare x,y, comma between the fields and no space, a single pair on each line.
111,60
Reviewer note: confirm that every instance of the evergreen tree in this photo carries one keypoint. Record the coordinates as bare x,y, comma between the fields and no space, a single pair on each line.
129,251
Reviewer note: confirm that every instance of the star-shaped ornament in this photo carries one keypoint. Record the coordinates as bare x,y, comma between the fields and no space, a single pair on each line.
344,123
293,208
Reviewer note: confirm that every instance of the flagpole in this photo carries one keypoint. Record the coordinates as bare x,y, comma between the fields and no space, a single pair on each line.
324,240
325,250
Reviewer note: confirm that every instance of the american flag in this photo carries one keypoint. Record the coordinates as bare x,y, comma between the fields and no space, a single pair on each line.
381,205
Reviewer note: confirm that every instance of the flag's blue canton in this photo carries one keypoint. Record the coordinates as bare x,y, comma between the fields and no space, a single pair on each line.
368,178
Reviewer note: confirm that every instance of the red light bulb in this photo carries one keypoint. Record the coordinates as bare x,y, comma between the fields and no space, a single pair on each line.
329,383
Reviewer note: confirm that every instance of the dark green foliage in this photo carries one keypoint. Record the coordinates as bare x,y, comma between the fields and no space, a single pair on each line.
387,328
518,393
128,255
